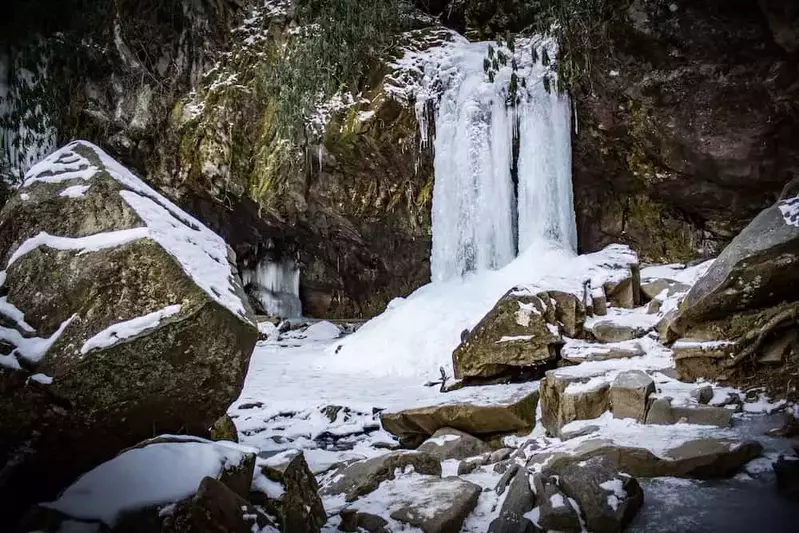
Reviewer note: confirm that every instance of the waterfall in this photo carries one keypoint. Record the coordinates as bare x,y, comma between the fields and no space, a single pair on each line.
275,287
482,218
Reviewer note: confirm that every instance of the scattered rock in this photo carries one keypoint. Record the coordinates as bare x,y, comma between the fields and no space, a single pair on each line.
608,499
517,413
467,467
608,331
703,394
700,459
354,521
661,412
499,455
224,429
448,443
363,477
214,509
787,471
629,394
438,505
520,500
695,359
520,333
565,398
556,512
298,508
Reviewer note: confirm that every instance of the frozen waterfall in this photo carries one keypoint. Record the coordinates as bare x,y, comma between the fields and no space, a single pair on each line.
275,287
482,216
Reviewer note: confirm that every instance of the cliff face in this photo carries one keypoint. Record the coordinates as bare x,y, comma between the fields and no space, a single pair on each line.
687,121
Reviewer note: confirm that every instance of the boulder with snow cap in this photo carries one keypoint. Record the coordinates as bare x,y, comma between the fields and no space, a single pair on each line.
448,443
518,502
291,492
555,510
661,412
519,335
565,398
756,270
438,505
124,310
608,500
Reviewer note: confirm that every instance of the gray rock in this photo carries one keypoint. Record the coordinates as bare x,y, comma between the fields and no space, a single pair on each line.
786,470
606,330
661,412
448,443
556,512
363,477
757,269
564,399
299,509
467,467
354,521
629,394
578,432
439,505
776,351
177,376
499,455
520,500
608,500
703,394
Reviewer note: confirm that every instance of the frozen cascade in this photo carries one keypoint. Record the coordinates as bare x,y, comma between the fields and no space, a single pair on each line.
481,219
275,286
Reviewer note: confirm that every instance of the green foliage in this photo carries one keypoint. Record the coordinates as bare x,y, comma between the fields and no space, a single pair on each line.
338,41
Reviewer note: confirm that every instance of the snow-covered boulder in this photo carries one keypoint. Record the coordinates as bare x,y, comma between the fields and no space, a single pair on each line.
448,443
121,316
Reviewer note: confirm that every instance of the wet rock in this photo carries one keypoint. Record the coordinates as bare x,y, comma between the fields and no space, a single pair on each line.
787,471
555,510
565,398
661,412
520,333
699,459
142,341
448,443
516,413
629,394
298,507
608,499
216,509
703,394
438,505
354,521
520,500
363,477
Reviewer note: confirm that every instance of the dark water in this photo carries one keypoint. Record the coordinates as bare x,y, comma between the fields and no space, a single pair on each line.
748,503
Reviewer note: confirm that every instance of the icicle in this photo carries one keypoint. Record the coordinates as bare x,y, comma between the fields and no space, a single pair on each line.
276,287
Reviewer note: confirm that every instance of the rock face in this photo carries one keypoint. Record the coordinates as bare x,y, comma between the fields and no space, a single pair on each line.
415,425
519,334
124,309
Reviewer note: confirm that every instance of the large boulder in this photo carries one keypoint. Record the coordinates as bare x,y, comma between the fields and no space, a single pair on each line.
519,334
757,269
629,394
437,505
518,502
125,310
512,414
566,398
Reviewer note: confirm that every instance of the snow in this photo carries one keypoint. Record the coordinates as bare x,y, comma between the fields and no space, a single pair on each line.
128,329
32,349
556,500
676,272
789,209
443,439
693,344
156,474
82,245
322,331
202,254
631,318
9,310
75,191
42,379
514,338
416,336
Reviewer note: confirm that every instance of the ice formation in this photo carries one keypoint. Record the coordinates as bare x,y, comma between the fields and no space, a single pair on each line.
276,287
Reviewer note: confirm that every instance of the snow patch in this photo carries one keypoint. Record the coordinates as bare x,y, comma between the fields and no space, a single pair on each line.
76,191
130,328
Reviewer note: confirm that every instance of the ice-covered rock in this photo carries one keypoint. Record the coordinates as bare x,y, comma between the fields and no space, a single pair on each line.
129,310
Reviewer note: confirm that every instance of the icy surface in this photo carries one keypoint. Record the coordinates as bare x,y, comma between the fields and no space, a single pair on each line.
478,223
127,329
276,285
200,252
156,474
